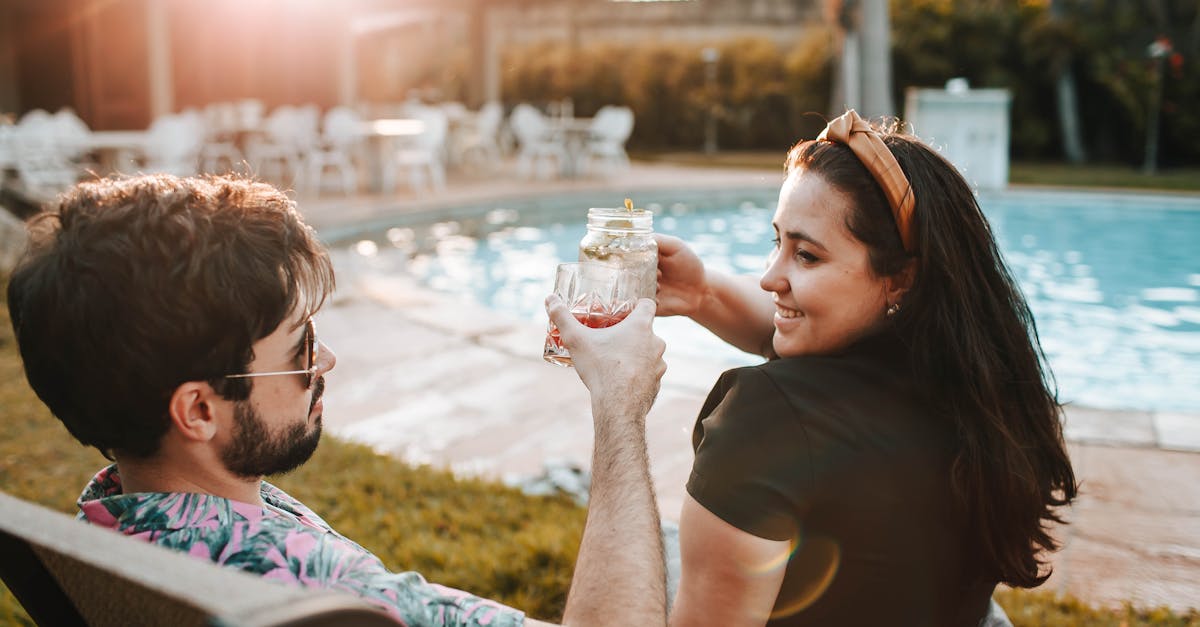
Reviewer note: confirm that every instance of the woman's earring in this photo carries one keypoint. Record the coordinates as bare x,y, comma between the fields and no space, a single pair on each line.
893,309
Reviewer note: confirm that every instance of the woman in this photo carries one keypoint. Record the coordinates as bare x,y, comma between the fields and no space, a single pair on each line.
901,452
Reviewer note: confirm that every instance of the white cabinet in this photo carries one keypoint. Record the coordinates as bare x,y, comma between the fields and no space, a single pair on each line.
969,126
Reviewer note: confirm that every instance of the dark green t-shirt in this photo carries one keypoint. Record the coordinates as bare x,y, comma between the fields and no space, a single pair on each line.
839,454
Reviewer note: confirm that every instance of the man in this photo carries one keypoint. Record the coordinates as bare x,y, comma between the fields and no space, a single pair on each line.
169,323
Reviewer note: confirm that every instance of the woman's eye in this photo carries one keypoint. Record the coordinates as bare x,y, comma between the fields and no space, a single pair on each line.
775,242
805,256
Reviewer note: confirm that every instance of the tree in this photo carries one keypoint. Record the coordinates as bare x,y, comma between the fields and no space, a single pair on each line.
1068,109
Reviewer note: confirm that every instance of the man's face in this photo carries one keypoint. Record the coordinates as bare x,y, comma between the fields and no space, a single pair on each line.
277,429
256,450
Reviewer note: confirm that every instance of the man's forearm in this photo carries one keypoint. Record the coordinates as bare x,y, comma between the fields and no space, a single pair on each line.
619,576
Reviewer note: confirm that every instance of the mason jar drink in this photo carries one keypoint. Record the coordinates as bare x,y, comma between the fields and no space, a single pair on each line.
623,237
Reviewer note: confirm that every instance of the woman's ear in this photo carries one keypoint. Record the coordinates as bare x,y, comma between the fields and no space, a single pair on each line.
898,284
193,411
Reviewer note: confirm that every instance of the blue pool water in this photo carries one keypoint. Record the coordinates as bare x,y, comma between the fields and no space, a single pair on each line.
1113,280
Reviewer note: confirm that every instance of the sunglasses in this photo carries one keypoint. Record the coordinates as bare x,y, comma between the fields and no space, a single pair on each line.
310,371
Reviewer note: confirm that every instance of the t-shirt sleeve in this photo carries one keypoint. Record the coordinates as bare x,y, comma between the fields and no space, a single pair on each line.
753,466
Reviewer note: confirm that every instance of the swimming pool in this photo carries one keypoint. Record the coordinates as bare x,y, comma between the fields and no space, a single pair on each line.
1113,280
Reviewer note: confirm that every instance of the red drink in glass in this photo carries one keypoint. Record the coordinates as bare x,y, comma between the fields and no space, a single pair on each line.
599,296
595,320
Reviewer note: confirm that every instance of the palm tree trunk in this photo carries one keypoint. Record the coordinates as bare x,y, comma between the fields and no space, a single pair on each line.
1068,107
876,59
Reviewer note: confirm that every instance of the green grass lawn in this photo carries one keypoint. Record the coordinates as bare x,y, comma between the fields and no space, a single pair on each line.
1020,173
474,535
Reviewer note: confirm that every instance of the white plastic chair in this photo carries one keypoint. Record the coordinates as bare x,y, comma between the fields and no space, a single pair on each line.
173,144
43,164
478,145
340,137
289,133
423,156
611,128
220,152
7,151
538,145
454,109
248,114
70,134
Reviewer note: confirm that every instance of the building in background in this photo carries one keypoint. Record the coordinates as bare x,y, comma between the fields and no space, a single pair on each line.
119,63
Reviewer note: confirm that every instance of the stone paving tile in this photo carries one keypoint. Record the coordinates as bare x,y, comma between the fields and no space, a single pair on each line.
1143,480
524,341
1109,574
669,442
1102,426
1178,432
374,336
1135,529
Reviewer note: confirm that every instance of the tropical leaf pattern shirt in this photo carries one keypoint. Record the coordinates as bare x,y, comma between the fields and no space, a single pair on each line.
285,542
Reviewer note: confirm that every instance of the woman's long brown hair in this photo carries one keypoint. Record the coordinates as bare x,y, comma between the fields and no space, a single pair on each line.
975,353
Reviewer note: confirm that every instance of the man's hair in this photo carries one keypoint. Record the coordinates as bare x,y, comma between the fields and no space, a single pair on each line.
133,286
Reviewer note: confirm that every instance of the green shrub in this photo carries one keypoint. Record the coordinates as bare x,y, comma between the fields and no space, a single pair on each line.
1019,46
765,95
934,40
1034,608
761,94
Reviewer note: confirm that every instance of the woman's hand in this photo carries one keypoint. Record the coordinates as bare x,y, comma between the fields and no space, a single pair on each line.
734,308
682,282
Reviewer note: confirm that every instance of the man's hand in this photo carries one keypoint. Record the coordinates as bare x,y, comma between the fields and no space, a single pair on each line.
621,365
619,575
682,282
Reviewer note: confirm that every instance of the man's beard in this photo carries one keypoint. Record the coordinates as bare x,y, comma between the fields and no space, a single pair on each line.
255,452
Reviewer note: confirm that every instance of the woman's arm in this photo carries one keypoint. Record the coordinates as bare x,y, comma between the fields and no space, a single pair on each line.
729,577
734,308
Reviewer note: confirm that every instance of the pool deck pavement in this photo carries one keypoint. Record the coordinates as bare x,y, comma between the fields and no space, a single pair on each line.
421,377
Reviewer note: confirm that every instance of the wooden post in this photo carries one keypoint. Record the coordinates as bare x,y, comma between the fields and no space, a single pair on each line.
10,100
347,72
159,59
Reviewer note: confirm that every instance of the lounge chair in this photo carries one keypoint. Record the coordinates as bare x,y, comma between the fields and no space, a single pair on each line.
68,573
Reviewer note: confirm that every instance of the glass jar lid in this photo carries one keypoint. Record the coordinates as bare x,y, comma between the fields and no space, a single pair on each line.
620,220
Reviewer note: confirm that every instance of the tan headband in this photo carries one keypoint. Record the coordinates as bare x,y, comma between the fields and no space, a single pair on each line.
868,146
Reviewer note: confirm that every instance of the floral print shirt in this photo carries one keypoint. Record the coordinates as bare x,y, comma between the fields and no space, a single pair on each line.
286,542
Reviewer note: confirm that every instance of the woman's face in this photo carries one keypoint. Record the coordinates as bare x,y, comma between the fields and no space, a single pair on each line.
826,295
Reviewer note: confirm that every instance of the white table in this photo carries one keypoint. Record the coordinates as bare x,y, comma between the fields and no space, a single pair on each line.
392,127
384,136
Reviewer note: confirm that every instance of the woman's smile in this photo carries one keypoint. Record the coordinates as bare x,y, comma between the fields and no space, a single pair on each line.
786,313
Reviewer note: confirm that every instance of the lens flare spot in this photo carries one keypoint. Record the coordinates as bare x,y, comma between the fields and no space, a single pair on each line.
816,561
776,562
